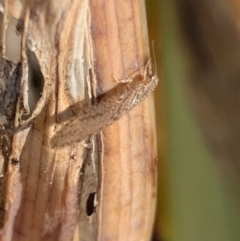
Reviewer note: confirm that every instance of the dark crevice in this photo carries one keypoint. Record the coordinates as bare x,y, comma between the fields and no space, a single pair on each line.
90,208
35,82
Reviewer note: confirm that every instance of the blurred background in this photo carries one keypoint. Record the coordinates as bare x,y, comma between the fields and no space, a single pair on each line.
195,202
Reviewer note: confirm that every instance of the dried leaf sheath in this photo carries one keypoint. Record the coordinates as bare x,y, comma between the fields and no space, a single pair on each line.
128,160
42,201
70,40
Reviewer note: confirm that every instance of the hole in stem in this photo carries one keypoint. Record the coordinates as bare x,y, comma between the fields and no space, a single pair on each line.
90,204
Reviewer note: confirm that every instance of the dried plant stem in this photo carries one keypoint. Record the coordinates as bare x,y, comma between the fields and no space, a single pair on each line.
106,189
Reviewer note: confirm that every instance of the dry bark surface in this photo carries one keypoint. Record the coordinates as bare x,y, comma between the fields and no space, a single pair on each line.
103,188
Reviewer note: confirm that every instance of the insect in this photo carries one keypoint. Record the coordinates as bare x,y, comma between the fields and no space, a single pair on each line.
109,109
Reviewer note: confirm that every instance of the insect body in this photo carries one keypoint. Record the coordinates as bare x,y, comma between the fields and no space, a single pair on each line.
109,109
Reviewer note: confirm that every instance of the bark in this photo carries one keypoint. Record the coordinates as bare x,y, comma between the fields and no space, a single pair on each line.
103,189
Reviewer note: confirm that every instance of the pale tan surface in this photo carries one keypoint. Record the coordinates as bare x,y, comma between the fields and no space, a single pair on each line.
43,194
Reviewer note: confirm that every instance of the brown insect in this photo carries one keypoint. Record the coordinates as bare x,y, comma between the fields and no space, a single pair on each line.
108,110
